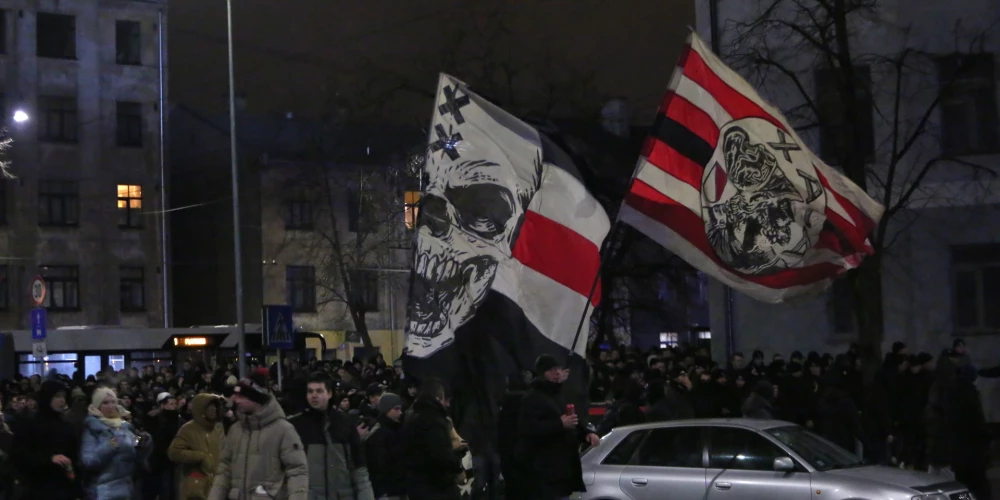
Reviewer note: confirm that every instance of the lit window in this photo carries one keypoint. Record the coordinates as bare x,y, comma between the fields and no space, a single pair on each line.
129,205
668,340
410,201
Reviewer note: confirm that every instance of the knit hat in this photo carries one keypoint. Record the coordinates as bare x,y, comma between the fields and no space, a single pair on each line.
100,394
163,397
545,363
388,402
254,388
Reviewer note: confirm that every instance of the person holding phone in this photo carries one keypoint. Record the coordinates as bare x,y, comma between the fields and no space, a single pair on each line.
550,434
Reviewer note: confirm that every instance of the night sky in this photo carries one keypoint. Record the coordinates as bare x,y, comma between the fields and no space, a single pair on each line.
294,55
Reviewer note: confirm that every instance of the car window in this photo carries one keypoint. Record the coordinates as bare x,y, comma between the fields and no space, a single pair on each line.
625,449
673,447
741,449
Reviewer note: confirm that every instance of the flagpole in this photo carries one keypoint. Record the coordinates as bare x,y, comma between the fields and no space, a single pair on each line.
606,251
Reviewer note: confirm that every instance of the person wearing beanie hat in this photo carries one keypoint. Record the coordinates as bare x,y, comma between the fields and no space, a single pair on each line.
334,447
383,447
111,450
553,432
262,455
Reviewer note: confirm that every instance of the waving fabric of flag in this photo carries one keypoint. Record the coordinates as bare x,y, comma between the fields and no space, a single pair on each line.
508,248
725,183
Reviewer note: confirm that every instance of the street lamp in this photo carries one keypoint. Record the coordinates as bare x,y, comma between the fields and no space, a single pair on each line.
20,116
241,350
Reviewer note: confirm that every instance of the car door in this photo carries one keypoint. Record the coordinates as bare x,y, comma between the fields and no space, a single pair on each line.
668,464
741,467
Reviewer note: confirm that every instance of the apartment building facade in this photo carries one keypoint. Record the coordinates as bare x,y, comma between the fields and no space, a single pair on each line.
82,208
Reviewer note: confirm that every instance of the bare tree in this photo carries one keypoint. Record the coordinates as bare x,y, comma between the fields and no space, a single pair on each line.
875,112
353,224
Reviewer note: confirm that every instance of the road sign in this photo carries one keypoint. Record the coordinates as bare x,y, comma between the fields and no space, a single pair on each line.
278,332
38,331
39,350
38,291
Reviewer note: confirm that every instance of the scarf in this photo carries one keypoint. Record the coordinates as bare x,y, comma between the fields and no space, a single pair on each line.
114,423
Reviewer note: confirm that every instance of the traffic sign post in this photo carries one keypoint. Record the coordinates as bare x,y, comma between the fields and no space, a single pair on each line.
38,333
278,331
38,321
38,291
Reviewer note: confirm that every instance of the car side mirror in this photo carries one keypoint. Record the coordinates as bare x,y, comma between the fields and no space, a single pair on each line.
784,464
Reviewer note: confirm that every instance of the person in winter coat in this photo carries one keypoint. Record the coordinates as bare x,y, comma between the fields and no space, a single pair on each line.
970,443
46,446
336,457
384,447
197,447
676,401
429,460
509,446
760,404
262,456
552,436
163,423
111,450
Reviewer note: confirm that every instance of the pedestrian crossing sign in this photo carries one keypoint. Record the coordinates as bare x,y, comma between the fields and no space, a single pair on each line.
278,330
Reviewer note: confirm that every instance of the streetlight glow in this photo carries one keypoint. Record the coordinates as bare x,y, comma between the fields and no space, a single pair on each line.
20,116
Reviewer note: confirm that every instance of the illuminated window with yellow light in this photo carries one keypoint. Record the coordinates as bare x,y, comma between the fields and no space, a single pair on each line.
411,200
129,205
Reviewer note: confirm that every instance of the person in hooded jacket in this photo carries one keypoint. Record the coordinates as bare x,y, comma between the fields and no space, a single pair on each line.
336,456
430,461
262,456
46,447
111,450
198,445
164,422
676,402
552,436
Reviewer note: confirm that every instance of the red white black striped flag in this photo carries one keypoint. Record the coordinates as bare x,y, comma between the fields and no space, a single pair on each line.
508,249
725,183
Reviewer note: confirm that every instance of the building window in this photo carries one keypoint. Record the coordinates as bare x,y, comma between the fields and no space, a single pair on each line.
58,119
300,286
129,124
58,203
299,214
56,36
132,284
668,339
969,122
411,200
361,208
63,283
976,288
129,205
4,288
840,307
3,31
364,288
834,133
704,335
128,47
3,201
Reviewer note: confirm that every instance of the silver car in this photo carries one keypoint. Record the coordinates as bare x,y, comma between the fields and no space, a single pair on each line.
743,459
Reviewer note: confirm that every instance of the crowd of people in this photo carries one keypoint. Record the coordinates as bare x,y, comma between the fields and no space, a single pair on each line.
362,430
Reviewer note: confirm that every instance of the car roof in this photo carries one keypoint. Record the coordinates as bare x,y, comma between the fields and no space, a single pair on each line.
744,423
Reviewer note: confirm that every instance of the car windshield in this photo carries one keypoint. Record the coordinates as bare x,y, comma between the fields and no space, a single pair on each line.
820,453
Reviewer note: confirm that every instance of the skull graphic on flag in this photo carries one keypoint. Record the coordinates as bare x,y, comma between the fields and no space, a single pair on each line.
762,214
480,178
